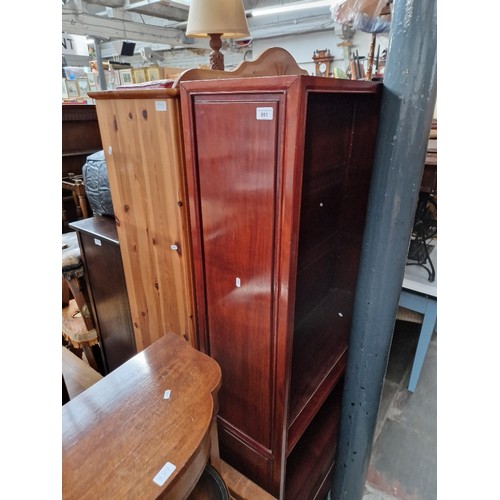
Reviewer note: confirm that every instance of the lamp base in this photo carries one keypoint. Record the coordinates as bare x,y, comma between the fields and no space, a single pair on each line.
216,57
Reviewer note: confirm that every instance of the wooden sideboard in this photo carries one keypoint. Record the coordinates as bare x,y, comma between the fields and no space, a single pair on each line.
278,172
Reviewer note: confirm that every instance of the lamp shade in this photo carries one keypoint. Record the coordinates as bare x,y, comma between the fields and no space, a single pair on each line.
226,17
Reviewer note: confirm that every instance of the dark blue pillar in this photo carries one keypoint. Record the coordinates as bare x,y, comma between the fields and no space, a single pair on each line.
407,108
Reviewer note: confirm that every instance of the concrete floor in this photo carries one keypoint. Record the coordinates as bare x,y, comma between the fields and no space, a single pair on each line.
403,464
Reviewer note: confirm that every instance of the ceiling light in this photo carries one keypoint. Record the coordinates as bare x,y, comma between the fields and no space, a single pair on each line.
290,7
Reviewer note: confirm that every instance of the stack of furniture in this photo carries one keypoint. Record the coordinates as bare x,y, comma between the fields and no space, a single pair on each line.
142,140
240,230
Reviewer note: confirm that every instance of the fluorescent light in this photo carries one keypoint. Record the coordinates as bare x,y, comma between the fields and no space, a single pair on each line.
264,11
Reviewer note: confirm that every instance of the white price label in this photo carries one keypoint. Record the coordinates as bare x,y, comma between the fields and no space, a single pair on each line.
164,474
161,105
264,113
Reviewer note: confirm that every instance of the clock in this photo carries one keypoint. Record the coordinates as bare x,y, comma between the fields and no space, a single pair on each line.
323,60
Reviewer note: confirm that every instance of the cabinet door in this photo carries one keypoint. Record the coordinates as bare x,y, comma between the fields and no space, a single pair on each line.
237,200
146,177
104,270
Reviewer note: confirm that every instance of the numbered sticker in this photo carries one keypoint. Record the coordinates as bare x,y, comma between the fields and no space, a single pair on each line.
264,113
161,105
164,474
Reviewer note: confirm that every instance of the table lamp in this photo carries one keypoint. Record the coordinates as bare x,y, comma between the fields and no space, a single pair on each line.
217,19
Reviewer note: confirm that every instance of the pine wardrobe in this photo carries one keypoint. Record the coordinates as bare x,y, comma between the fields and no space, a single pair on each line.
142,142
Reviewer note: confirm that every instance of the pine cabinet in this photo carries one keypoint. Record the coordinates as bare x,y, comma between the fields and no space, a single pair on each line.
141,138
278,172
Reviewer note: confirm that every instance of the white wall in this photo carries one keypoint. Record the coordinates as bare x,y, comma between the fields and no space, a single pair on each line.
301,47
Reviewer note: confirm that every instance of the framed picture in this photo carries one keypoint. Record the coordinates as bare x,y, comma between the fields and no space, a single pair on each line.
139,75
83,86
153,73
72,88
64,89
126,76
112,79
92,79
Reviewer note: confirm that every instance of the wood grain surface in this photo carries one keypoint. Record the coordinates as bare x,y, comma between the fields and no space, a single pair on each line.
141,139
119,433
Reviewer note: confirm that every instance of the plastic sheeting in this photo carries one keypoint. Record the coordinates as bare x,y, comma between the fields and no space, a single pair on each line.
95,178
363,15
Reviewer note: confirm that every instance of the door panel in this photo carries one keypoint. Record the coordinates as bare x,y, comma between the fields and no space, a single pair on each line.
237,200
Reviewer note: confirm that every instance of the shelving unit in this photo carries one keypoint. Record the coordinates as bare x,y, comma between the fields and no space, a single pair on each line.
278,172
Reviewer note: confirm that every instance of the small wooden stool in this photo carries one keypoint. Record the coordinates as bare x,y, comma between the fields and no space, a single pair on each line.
77,323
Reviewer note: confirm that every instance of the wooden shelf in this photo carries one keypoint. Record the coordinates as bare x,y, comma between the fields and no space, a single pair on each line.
311,462
85,152
318,361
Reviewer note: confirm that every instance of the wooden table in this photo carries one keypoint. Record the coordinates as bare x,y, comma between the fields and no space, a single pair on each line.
420,295
122,438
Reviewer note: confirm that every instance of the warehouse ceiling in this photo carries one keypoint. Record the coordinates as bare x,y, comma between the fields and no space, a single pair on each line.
162,23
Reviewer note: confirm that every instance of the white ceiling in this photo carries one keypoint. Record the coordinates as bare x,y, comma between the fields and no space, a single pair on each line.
163,22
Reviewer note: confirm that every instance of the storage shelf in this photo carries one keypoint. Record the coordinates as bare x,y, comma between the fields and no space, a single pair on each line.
79,153
314,455
319,356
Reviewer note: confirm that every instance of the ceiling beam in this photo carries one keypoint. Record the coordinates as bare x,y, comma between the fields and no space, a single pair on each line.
157,8
120,29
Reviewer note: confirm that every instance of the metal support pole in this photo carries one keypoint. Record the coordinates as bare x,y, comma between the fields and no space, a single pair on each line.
407,108
100,69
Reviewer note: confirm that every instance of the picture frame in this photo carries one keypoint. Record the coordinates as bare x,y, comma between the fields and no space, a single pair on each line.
92,79
72,88
112,79
153,73
139,75
64,89
83,86
126,76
